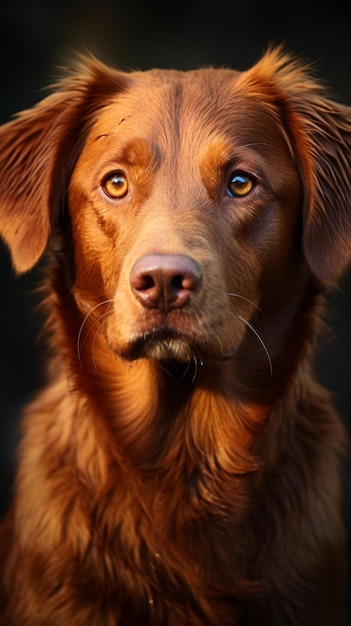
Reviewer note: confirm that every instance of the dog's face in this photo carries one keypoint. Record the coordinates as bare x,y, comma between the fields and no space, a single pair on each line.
201,204
184,165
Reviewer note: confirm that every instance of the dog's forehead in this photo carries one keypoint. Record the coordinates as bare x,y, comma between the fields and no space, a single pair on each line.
184,86
189,108
157,99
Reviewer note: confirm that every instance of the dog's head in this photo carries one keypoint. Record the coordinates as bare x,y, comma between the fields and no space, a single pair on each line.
275,101
186,192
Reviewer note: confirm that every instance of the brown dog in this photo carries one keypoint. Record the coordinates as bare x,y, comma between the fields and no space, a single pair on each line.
181,467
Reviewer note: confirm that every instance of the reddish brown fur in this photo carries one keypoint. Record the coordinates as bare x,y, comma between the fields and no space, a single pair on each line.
182,466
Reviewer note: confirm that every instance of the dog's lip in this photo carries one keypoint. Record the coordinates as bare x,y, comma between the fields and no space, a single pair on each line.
193,346
146,343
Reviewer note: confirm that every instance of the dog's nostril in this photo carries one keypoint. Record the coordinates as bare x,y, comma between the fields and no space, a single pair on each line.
143,282
165,281
180,282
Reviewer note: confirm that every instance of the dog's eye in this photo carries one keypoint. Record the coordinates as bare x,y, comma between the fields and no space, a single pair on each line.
240,185
115,185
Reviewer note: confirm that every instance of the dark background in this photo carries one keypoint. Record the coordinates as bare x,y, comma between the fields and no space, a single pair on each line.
36,36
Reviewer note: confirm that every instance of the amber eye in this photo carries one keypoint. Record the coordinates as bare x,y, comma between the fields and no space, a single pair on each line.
240,185
115,185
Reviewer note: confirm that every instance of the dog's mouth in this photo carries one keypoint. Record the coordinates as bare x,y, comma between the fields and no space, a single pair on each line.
163,344
168,345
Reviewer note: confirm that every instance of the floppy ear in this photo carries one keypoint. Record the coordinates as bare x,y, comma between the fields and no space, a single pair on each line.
326,169
37,152
319,131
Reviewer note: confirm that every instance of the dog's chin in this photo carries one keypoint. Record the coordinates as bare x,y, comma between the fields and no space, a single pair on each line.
160,347
171,346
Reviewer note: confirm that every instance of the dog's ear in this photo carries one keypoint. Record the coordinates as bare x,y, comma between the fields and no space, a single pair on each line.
326,170
37,152
319,133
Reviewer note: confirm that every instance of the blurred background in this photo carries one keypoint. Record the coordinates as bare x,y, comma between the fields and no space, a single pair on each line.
36,36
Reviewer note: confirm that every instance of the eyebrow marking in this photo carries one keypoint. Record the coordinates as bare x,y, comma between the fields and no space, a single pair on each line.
142,153
214,159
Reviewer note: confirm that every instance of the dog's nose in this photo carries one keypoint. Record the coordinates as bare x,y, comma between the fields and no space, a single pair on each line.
165,281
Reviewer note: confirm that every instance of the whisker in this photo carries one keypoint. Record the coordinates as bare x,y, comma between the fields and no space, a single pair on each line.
237,295
197,362
164,369
80,343
186,370
102,320
259,339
